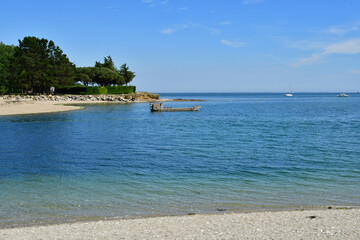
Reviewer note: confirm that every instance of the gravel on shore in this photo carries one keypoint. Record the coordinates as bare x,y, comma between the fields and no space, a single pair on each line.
308,224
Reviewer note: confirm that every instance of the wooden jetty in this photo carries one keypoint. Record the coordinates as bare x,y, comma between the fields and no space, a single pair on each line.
159,107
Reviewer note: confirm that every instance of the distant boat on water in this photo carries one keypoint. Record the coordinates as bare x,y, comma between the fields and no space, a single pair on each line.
289,94
342,95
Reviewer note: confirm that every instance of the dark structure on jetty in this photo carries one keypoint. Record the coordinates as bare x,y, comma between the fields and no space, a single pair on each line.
159,107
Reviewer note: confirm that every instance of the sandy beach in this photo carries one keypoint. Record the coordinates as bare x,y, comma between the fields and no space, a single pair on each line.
20,107
31,107
309,224
34,107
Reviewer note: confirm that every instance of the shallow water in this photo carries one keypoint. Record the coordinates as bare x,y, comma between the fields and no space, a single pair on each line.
240,151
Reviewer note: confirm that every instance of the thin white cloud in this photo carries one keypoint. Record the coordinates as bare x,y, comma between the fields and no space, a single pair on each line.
177,27
307,45
307,61
182,8
211,30
224,23
235,43
174,28
343,29
349,47
346,47
153,3
168,30
272,57
354,71
247,2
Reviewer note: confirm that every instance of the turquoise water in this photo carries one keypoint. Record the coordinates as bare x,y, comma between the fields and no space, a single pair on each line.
240,151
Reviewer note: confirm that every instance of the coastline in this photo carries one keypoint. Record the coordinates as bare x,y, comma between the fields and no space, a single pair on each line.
220,211
315,222
22,107
308,224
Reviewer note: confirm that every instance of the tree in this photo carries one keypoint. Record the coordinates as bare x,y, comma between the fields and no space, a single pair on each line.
6,55
32,65
108,63
63,71
99,75
126,74
106,77
83,74
40,64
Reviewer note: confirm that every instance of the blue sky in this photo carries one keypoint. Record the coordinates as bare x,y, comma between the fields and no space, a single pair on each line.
203,46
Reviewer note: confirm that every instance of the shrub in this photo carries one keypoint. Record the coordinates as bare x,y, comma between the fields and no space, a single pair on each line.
2,90
89,90
95,90
121,89
103,90
71,89
86,90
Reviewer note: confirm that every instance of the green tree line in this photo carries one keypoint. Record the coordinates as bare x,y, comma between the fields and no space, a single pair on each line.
36,64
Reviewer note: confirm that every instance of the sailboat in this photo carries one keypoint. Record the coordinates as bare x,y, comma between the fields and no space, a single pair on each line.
289,94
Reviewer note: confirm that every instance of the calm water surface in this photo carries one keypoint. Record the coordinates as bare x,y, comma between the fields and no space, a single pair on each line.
240,151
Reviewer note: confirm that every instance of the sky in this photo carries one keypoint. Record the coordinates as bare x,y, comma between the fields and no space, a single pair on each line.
203,45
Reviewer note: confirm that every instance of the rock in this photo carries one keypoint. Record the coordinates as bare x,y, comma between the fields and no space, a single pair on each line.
221,210
111,98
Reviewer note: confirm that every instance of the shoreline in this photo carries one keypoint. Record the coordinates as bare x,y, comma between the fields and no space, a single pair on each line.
24,107
295,224
285,221
263,209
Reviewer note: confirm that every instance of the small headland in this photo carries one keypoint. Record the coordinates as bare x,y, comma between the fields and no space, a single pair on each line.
31,104
68,98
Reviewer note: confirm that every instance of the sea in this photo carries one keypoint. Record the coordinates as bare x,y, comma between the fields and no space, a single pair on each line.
239,152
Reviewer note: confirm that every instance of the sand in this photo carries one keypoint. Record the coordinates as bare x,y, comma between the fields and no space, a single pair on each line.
308,224
31,107
34,107
8,107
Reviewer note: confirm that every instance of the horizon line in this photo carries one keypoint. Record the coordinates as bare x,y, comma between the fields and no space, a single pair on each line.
283,92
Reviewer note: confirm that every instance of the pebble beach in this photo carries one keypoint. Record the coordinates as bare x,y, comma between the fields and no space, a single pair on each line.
312,224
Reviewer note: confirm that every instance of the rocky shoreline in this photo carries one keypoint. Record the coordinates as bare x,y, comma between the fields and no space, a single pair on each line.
126,98
31,104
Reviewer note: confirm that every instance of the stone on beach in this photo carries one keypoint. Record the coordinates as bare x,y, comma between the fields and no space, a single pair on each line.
329,224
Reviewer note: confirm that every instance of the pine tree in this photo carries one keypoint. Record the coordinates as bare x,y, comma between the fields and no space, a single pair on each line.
40,64
126,74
